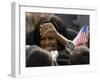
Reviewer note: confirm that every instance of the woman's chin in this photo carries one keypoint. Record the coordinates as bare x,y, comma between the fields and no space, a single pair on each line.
50,48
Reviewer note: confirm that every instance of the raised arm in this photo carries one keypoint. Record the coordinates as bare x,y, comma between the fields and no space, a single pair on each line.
49,28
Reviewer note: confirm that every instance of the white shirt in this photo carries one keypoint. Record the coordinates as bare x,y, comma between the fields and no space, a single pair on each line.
54,55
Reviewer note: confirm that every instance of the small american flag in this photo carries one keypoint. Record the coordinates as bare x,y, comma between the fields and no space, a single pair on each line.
82,37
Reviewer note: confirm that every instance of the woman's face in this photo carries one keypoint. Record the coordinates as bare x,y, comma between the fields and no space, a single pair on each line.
48,42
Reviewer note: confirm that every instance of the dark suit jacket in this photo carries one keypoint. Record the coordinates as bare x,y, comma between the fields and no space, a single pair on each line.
63,58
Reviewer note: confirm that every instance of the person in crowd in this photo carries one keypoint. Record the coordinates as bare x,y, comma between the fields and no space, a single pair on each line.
80,55
36,56
50,34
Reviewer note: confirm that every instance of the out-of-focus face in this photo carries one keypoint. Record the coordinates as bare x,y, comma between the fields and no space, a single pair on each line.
48,42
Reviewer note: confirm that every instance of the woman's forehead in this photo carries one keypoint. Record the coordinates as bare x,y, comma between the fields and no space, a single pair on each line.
48,35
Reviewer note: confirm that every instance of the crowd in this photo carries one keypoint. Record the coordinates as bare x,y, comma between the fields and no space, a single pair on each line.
51,44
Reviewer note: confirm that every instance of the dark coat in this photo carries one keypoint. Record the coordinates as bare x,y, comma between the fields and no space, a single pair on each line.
63,58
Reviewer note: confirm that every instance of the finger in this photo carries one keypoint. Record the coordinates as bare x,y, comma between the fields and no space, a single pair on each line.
41,29
47,30
45,33
44,28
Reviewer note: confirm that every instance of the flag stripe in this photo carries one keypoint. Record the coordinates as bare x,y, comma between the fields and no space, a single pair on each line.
81,38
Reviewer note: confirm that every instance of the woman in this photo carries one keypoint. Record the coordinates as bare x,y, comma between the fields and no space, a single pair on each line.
50,34
54,24
36,56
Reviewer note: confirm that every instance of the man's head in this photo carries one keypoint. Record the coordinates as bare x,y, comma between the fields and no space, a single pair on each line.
37,57
80,55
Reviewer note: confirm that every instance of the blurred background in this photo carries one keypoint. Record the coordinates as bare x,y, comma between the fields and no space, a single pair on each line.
74,22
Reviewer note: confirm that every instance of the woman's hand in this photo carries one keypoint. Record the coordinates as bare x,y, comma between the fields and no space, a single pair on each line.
48,28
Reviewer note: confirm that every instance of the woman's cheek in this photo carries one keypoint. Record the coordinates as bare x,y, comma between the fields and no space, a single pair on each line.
42,43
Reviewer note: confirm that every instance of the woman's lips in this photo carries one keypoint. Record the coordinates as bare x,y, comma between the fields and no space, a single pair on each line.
49,48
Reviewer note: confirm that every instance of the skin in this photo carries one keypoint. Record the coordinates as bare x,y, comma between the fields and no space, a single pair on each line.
50,36
48,42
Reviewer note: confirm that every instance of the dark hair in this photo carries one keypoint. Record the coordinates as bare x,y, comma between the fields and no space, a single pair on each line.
35,56
64,57
58,24
80,55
